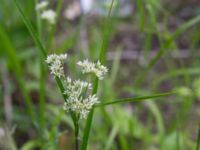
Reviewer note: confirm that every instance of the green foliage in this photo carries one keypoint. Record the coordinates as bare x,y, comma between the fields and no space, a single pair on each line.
141,120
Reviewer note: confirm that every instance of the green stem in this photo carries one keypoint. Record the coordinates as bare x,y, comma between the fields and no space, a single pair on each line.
102,58
198,140
42,94
76,125
50,41
42,75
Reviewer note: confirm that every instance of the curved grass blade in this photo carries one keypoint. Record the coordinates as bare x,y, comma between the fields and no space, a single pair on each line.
38,43
31,29
164,48
41,47
186,26
102,58
198,139
175,73
11,53
135,99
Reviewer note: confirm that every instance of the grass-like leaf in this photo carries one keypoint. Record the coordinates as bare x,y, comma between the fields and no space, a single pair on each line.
102,58
165,47
31,29
198,140
38,43
40,46
135,99
11,53
186,26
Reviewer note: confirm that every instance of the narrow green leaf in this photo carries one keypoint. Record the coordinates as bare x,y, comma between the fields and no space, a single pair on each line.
175,73
87,130
186,26
165,47
53,27
31,144
135,99
198,140
141,12
31,29
38,43
41,48
102,58
11,53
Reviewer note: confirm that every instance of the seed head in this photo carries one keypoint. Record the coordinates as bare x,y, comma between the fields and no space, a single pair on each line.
56,64
49,15
90,67
77,100
42,5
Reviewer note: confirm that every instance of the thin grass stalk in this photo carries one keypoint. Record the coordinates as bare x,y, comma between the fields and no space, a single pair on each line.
42,76
40,46
50,41
95,88
29,26
198,139
165,47
76,125
11,52
134,99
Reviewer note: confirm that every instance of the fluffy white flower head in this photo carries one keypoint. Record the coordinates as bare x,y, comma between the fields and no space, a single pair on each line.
100,70
49,15
42,5
77,100
53,57
56,64
90,67
80,106
78,93
76,87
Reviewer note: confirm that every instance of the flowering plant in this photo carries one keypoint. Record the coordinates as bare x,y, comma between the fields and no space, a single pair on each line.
79,100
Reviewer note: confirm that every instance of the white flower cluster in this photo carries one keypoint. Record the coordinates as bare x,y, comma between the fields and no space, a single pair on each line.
79,99
41,6
96,68
48,15
56,64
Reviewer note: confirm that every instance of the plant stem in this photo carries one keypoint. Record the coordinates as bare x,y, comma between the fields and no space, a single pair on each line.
50,41
76,125
198,139
102,58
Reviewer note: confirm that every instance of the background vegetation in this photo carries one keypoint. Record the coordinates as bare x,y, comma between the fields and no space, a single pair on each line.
154,49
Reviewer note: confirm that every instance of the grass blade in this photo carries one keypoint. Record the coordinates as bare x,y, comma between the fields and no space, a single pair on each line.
165,47
89,121
39,44
186,26
135,99
41,48
102,58
31,29
198,140
10,51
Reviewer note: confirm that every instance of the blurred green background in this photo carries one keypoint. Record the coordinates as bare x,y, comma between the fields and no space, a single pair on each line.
153,46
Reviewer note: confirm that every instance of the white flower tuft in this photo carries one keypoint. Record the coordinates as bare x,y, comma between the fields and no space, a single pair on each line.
87,66
49,15
100,70
96,68
53,57
80,106
75,90
42,5
56,64
79,100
